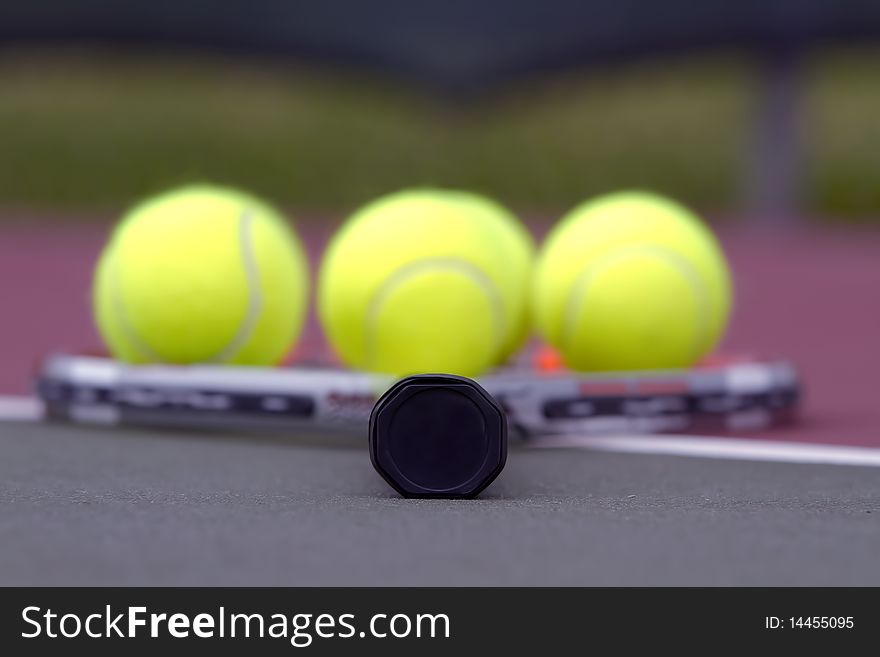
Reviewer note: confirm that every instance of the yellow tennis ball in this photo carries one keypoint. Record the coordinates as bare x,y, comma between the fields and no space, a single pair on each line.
201,274
416,282
519,249
631,281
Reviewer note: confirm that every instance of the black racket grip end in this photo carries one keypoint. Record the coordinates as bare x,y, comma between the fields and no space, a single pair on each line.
438,435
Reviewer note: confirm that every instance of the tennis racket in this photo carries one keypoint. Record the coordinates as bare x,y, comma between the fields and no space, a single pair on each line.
739,396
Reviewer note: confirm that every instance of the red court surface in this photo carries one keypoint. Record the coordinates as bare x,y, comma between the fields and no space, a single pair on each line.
809,295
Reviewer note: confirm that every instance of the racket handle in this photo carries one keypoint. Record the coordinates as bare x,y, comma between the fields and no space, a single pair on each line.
438,435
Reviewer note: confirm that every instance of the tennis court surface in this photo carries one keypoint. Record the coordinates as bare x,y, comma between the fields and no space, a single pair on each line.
109,506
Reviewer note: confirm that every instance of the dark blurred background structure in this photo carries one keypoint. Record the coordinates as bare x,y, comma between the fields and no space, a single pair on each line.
751,107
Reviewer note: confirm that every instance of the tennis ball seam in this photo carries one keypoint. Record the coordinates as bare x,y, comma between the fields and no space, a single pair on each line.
254,297
252,312
467,269
577,291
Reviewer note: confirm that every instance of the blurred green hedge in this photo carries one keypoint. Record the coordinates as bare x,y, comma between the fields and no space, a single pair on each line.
91,131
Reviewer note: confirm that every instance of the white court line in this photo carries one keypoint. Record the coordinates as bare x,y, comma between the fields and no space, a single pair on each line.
720,448
20,409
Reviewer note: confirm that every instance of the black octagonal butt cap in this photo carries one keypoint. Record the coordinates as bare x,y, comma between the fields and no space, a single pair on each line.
438,435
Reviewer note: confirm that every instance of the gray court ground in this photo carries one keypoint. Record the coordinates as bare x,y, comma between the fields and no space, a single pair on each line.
85,506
